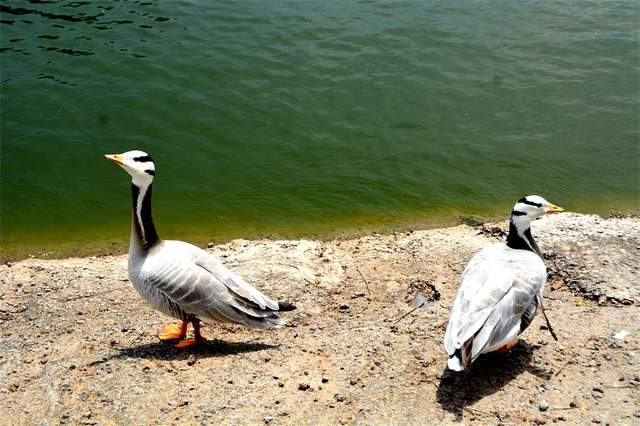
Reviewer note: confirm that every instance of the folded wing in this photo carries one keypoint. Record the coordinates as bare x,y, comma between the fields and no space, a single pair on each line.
200,285
498,287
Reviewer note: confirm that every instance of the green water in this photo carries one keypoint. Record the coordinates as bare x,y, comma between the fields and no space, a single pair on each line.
310,118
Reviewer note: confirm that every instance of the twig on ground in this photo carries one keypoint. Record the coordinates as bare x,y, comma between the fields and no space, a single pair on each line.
365,281
298,269
433,383
573,355
307,281
408,313
620,387
441,325
562,408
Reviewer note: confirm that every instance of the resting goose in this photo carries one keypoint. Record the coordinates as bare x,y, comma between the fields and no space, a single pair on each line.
500,291
182,280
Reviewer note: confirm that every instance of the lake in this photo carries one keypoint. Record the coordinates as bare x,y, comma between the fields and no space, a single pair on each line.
300,118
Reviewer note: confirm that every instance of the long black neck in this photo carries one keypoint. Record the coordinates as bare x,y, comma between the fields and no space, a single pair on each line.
524,242
142,228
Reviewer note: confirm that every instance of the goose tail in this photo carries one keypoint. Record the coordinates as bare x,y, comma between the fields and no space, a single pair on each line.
455,363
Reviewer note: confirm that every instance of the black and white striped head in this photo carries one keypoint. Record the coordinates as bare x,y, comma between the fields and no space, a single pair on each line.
138,164
532,207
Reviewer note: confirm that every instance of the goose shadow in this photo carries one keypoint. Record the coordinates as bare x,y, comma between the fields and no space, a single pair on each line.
167,352
490,373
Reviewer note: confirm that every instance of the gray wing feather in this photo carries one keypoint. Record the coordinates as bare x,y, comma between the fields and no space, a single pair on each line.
200,285
497,287
472,281
237,285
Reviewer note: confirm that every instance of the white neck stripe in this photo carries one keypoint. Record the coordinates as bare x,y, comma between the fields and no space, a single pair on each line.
141,194
524,237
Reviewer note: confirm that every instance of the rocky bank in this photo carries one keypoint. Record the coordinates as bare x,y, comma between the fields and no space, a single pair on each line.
78,346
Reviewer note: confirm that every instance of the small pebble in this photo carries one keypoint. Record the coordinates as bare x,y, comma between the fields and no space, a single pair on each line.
543,405
303,386
267,419
325,380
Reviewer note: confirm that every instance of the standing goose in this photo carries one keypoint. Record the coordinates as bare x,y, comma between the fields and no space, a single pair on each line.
180,279
500,291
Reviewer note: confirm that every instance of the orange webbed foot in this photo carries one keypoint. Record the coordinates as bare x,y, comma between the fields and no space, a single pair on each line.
187,343
508,346
172,332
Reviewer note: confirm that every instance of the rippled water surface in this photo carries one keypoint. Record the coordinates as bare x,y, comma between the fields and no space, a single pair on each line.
297,118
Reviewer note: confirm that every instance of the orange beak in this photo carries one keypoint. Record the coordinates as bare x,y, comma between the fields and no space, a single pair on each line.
116,158
552,208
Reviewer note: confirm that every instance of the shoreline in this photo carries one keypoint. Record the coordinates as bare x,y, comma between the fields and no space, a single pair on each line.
79,346
83,248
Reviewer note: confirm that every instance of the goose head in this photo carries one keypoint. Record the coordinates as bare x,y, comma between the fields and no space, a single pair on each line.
532,207
138,164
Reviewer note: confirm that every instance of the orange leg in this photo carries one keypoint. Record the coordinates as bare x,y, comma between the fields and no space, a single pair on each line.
508,346
172,332
195,340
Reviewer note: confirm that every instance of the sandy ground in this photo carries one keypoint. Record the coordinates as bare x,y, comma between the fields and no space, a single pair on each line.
78,346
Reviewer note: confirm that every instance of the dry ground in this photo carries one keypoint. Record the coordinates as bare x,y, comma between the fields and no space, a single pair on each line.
78,345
